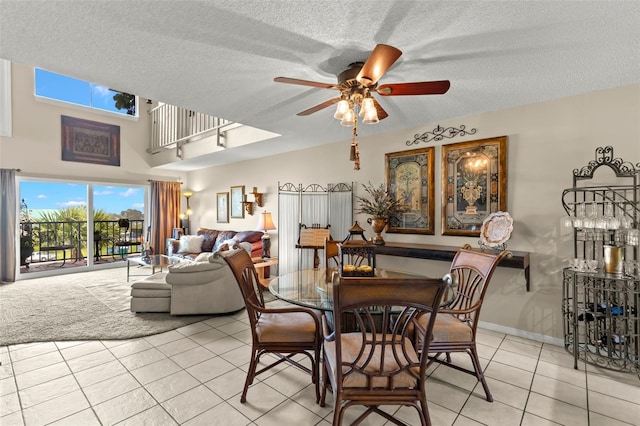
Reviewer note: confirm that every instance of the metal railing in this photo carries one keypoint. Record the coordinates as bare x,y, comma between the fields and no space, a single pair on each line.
67,240
172,126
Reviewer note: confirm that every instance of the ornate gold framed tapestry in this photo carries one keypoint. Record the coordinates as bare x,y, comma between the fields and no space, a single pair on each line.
87,141
474,179
410,178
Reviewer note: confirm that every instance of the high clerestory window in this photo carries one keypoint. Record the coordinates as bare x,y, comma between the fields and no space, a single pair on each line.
60,87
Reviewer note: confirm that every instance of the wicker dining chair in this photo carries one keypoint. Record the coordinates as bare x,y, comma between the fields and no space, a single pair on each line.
283,331
456,324
378,364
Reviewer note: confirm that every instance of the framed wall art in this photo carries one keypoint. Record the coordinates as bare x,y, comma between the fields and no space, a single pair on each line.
222,207
410,178
237,197
86,141
474,179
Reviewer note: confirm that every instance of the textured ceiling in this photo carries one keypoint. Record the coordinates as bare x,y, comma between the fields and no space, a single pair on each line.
220,57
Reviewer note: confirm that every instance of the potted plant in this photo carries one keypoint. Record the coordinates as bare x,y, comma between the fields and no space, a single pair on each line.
26,248
381,206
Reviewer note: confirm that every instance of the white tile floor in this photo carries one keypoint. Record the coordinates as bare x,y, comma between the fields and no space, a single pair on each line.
193,376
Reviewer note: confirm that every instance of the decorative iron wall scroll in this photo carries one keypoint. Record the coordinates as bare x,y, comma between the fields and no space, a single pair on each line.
474,175
410,177
87,141
440,133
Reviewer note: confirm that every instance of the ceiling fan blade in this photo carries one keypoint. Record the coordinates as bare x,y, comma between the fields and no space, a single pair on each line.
382,114
304,82
419,88
319,107
382,57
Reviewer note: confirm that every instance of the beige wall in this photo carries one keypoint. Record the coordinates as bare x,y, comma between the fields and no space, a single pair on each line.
546,142
35,143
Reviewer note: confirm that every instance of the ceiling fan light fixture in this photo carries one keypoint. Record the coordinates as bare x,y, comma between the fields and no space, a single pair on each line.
367,106
371,116
349,118
343,107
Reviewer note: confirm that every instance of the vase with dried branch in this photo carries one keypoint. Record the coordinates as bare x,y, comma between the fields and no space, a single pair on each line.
381,206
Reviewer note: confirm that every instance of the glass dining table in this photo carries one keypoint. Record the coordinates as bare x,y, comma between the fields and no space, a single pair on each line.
312,288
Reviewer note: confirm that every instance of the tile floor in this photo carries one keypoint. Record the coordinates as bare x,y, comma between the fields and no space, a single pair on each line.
193,376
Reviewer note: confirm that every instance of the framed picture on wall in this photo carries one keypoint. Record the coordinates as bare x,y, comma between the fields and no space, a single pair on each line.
222,207
410,178
86,141
474,181
237,197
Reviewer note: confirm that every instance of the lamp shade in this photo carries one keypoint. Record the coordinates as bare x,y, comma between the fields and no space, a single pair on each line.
265,222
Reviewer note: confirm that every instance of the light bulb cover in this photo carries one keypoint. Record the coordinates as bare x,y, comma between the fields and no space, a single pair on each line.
371,117
341,109
349,118
367,106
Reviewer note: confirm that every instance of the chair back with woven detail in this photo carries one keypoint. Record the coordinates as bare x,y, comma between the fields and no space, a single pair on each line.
377,364
456,325
287,332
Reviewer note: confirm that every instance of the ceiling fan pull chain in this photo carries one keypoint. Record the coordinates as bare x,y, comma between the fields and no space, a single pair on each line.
354,154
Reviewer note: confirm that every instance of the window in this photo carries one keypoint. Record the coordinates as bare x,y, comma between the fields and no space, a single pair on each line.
79,92
56,219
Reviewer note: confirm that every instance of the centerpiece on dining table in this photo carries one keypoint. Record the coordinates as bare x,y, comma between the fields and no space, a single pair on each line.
357,258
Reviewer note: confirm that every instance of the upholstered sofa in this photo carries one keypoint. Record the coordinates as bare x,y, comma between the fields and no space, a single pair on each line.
211,240
203,286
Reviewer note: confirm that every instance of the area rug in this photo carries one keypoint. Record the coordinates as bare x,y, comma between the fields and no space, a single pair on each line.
81,306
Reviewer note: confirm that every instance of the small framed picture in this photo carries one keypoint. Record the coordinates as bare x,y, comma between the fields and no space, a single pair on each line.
237,197
222,203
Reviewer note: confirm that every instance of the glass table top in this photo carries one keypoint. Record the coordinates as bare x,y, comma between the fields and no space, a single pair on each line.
312,288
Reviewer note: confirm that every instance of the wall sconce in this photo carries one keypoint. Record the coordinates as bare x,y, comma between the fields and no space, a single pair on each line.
258,196
248,204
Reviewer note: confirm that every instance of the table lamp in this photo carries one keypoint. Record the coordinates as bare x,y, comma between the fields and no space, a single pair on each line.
265,223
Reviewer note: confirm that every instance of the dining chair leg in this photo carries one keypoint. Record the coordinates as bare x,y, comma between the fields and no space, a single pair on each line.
250,374
325,384
316,373
479,373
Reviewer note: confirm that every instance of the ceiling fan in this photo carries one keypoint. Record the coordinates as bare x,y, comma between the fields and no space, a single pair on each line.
357,83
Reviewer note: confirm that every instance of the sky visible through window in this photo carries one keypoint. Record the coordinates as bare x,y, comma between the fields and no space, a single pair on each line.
46,196
60,87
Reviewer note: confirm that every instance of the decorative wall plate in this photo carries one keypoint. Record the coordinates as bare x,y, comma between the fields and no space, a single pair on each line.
496,229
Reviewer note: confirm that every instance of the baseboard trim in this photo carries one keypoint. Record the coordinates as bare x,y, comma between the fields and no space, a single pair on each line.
521,333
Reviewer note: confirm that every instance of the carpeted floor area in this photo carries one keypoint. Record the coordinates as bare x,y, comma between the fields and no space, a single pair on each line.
81,306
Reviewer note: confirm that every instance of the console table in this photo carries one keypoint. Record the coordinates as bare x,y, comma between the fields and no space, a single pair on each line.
519,259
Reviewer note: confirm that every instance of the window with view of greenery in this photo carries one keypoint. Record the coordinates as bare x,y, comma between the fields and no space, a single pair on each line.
60,87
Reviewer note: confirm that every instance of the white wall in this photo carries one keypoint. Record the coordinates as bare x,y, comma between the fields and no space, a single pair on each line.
546,142
35,145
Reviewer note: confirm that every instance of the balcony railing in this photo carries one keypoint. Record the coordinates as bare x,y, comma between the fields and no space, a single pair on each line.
172,126
67,240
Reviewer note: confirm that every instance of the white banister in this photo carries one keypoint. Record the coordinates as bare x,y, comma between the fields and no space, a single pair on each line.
172,126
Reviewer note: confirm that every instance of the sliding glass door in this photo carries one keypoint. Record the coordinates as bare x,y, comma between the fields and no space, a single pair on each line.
66,224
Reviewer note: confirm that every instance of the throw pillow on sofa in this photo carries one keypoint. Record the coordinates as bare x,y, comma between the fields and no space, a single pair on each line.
202,257
190,244
223,236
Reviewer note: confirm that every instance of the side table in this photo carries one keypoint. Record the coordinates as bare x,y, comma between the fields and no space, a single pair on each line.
260,263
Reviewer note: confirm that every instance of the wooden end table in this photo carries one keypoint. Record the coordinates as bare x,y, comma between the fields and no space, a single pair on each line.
260,263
